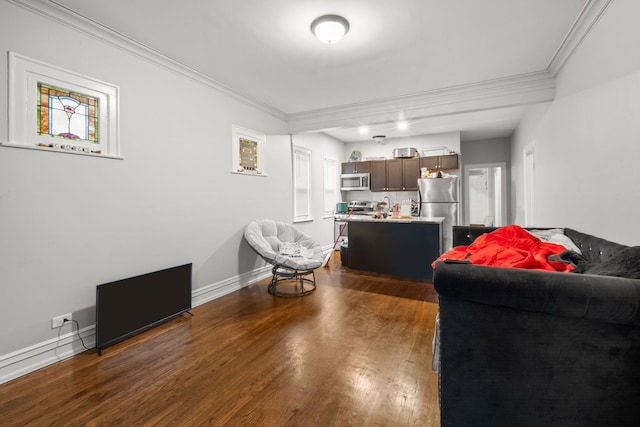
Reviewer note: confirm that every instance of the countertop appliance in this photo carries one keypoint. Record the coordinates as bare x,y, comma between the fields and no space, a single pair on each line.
404,153
440,197
354,181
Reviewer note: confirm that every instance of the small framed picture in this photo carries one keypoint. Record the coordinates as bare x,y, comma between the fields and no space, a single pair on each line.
249,152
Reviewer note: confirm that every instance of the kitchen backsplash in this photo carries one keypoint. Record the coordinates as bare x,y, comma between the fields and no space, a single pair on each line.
395,196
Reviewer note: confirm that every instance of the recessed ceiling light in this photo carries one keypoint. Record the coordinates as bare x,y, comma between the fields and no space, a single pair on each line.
402,125
329,28
363,129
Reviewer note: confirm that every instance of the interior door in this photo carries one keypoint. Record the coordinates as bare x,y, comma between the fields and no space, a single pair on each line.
486,194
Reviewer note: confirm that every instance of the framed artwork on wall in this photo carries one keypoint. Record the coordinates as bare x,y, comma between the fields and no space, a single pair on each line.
58,110
249,152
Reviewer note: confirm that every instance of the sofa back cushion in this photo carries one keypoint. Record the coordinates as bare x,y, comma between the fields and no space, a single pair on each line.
594,249
464,236
625,263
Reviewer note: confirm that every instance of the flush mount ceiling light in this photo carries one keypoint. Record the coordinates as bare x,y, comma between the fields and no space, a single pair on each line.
329,28
402,125
379,138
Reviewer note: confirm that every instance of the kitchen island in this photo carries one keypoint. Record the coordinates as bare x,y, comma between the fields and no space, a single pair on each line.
400,246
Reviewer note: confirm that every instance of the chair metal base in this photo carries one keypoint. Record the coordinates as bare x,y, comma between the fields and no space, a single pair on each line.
301,282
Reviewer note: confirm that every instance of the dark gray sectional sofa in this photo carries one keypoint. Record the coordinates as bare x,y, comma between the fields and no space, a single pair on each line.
536,348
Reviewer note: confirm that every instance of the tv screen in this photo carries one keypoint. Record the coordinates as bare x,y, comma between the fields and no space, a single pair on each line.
128,306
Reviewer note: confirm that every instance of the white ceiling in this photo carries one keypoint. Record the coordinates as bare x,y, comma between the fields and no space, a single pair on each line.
400,59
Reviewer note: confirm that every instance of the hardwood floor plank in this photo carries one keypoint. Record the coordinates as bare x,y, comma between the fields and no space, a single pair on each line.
357,352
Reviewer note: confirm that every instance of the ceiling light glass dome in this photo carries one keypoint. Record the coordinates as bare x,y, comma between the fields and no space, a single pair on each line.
330,28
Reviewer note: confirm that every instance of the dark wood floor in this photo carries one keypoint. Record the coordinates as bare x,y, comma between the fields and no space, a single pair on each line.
357,352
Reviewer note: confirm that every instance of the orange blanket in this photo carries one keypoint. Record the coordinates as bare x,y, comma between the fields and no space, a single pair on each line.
509,246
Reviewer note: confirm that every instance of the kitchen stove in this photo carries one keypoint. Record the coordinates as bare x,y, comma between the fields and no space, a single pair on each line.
360,207
356,208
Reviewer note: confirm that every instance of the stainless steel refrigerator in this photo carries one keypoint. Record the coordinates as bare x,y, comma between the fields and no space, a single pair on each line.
440,197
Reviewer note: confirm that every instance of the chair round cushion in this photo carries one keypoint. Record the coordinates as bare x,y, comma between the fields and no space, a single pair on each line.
265,236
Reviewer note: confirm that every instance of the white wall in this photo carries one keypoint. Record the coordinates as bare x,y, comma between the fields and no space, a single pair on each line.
68,222
586,140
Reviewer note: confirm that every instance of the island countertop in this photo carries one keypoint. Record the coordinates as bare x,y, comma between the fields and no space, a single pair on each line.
413,219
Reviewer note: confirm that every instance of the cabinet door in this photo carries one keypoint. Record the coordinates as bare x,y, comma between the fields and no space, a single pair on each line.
378,175
430,162
348,168
355,167
449,162
363,167
410,173
394,175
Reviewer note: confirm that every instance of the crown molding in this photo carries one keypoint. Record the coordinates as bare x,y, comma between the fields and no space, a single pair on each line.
509,91
589,16
498,93
54,11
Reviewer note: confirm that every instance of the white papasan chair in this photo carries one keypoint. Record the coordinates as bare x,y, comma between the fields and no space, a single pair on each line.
293,254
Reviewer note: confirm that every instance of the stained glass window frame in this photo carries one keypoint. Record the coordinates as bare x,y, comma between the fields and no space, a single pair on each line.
25,76
248,152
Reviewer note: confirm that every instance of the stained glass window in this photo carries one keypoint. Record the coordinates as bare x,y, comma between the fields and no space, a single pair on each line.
66,114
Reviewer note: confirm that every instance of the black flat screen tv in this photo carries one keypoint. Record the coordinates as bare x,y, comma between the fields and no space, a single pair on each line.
129,306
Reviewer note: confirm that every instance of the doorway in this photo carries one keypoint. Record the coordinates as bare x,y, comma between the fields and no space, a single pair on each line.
529,185
486,194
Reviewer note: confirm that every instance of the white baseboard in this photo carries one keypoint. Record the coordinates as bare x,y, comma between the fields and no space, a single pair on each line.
216,290
37,356
32,358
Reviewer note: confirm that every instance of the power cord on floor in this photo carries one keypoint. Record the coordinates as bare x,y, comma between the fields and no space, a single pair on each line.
77,331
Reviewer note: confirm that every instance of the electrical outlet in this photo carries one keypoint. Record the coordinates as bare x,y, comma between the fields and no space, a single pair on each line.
58,321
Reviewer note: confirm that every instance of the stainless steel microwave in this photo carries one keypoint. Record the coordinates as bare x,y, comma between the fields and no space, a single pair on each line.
354,181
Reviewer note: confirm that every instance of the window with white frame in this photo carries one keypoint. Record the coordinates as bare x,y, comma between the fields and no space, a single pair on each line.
330,186
301,184
58,110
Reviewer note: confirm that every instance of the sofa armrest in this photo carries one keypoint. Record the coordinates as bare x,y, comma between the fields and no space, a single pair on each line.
602,298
